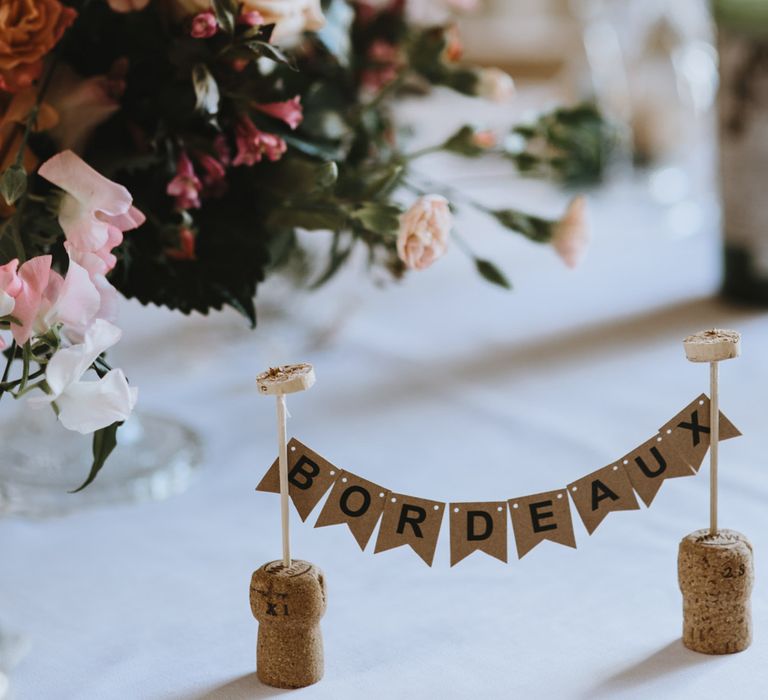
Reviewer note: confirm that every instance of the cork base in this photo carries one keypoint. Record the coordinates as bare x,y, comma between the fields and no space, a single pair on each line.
716,574
288,603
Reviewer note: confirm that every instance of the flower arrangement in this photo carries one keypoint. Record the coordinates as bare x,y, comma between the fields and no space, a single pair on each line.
231,124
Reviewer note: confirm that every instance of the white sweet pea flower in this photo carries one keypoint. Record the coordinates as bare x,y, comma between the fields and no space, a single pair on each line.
92,405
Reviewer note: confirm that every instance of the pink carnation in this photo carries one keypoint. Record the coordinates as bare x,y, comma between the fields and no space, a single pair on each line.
289,111
253,145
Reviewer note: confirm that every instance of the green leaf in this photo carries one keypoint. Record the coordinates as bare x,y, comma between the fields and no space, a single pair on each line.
380,218
104,441
226,14
267,50
313,217
492,273
463,142
206,90
298,175
532,227
13,183
338,258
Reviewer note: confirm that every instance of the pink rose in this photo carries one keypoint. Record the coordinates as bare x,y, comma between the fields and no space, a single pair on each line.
289,111
204,25
424,231
185,186
570,236
253,145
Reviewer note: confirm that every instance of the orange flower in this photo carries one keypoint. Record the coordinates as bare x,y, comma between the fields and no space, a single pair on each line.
29,29
15,113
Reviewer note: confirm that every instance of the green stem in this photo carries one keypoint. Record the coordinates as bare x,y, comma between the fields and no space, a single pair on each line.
11,356
25,366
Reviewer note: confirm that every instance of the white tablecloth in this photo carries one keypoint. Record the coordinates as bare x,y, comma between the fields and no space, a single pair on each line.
441,387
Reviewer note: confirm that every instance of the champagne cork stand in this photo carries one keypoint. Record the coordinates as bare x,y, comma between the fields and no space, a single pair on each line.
287,596
715,566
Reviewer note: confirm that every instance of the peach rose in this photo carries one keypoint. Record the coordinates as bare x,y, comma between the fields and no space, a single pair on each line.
424,230
29,29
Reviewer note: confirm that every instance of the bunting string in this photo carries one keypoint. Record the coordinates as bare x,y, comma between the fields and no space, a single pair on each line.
676,450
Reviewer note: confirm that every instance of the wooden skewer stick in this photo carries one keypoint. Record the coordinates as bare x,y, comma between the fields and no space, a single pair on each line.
279,381
713,346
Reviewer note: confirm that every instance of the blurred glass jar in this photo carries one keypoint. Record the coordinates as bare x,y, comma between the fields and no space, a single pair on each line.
743,128
653,66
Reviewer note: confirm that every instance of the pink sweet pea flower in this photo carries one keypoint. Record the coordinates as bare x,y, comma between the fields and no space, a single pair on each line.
253,145
10,286
92,202
289,111
44,298
204,25
185,186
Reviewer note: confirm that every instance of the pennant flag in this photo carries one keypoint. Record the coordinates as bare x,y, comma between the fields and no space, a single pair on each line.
358,503
602,492
648,465
689,431
543,516
478,526
309,477
412,521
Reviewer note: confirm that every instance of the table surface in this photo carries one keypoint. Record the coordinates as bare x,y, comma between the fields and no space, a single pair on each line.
441,387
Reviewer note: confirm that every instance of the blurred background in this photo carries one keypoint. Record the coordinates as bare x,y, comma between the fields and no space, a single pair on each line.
556,370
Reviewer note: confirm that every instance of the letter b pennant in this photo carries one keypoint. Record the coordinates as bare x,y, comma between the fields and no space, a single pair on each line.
309,477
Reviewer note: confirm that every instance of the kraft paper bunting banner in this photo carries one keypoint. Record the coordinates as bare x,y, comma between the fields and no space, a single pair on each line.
650,464
677,451
356,502
602,492
309,477
478,526
689,431
542,516
412,521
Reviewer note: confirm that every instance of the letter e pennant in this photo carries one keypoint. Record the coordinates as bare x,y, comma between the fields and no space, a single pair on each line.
543,516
